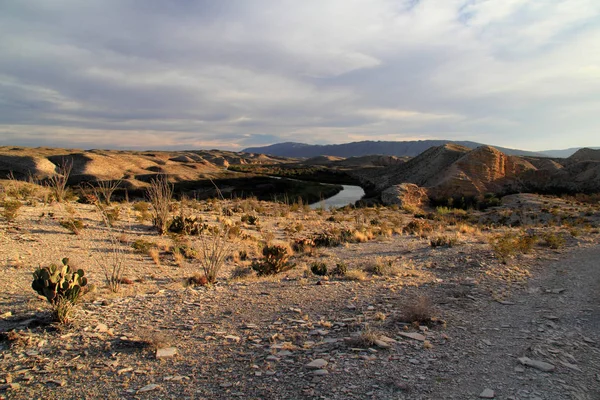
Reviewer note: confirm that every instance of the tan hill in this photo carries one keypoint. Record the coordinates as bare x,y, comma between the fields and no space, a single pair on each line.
134,168
585,154
322,160
455,171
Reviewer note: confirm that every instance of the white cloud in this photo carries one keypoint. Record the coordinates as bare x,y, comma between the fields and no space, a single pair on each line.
508,72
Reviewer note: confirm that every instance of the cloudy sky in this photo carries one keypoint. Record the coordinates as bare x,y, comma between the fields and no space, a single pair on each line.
184,74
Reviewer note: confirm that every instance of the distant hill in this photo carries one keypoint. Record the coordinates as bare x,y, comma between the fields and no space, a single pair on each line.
364,148
565,153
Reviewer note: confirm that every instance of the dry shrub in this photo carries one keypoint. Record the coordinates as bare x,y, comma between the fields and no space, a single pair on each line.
355,275
215,247
366,338
241,272
443,241
154,253
467,229
362,236
178,257
418,227
160,194
10,209
197,279
384,266
417,310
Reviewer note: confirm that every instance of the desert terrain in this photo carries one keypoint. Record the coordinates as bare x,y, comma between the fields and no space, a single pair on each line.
401,299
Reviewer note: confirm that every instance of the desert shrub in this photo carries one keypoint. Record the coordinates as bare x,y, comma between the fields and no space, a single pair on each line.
249,219
112,215
275,260
303,245
333,238
443,241
187,225
10,209
197,279
142,246
510,244
382,266
58,181
319,268
241,272
417,310
73,225
104,190
61,286
214,248
160,194
340,270
142,208
418,227
553,240
355,275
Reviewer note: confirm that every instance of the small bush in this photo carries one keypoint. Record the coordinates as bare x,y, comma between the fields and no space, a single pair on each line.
319,268
553,240
275,260
11,209
418,227
73,225
383,267
249,219
509,244
443,241
241,272
417,310
355,275
340,270
143,211
197,280
187,225
143,246
303,245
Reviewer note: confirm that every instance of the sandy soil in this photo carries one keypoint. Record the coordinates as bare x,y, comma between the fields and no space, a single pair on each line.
256,337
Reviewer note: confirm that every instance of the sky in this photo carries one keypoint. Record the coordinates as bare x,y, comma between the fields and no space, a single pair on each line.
229,74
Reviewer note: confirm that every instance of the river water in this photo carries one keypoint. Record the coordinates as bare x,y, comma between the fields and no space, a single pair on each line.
349,195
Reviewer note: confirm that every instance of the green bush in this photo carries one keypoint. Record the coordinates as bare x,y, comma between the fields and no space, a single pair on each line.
11,209
553,240
73,225
275,260
61,286
319,268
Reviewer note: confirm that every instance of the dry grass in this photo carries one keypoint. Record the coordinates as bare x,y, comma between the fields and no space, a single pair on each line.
154,253
417,310
160,194
355,275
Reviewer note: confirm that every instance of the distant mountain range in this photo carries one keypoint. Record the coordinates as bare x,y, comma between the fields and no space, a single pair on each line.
565,153
399,149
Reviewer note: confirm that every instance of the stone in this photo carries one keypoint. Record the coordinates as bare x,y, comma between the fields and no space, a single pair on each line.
148,388
319,363
413,335
381,344
101,328
320,372
167,352
487,394
540,365
233,337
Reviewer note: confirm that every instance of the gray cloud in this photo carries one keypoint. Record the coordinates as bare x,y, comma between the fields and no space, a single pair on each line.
181,74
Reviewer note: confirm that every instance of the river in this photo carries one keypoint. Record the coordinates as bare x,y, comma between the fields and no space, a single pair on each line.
349,195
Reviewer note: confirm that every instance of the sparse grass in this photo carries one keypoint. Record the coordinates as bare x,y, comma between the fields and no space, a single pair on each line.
73,225
355,275
443,241
383,266
417,310
418,227
10,209
553,240
509,244
154,253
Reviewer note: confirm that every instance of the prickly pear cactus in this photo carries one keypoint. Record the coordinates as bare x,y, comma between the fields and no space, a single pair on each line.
59,281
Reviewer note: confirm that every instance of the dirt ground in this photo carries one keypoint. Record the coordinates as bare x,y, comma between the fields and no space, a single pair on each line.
525,328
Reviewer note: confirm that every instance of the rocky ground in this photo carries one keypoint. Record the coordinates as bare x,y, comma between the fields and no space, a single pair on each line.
526,328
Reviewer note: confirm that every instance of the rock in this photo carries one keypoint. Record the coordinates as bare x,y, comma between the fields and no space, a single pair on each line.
320,372
319,363
101,328
233,337
541,365
487,394
413,335
404,194
148,388
167,352
381,344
